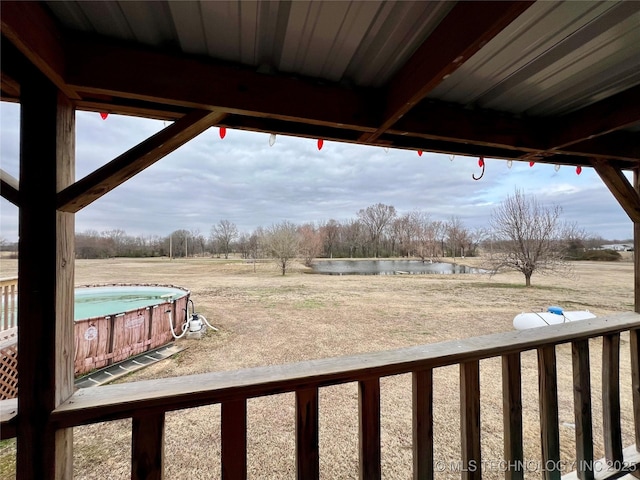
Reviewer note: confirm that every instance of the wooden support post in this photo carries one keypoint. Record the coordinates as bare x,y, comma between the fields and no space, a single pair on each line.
470,420
307,449
423,424
234,440
636,246
512,416
634,348
633,334
147,447
548,398
611,397
582,409
46,279
369,413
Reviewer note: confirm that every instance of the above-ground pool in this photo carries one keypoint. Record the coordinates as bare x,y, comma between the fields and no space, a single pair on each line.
105,300
114,322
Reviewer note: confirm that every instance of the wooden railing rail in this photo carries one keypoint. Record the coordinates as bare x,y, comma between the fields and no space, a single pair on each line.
9,296
146,402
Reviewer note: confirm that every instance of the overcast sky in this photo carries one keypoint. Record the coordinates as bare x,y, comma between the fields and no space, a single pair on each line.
244,180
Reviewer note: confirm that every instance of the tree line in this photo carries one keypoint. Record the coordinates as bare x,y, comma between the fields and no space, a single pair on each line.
377,231
522,235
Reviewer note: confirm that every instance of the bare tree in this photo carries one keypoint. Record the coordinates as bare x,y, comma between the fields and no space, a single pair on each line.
224,233
408,229
456,236
255,240
178,243
330,232
530,237
353,236
428,236
283,243
376,218
310,243
473,239
197,242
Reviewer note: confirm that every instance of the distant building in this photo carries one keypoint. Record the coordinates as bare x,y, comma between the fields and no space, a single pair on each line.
618,247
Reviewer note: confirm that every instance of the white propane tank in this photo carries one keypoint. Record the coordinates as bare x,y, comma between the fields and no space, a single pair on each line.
553,316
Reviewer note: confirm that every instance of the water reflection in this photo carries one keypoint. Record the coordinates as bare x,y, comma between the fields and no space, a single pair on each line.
388,267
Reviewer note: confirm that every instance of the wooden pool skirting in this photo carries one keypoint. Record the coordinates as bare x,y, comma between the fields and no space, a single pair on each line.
103,341
125,367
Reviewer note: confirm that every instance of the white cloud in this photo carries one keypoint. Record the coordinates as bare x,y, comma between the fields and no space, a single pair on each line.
244,180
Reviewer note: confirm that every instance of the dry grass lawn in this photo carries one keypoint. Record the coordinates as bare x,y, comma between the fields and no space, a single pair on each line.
267,319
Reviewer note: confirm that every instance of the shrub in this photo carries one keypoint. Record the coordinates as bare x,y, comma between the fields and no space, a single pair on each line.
601,255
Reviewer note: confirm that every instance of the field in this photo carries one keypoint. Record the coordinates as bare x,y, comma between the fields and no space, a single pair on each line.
267,319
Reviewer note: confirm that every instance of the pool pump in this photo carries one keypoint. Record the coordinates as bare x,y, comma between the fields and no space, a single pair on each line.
195,324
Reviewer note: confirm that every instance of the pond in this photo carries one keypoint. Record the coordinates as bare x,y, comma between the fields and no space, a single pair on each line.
388,267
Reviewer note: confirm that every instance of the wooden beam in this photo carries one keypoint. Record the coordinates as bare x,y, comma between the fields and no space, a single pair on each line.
634,349
45,280
34,32
120,106
9,186
93,186
619,145
620,187
490,146
10,88
636,257
472,128
614,113
99,67
441,121
465,30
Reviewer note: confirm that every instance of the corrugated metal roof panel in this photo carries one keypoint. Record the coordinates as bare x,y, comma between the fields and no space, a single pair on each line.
360,42
556,57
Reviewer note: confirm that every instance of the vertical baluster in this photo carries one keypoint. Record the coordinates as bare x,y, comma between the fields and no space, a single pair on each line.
634,348
548,398
582,409
512,416
307,454
423,424
5,317
147,449
611,396
234,440
470,420
369,412
13,295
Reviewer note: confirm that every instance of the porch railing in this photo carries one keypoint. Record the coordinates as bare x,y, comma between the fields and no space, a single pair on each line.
146,402
8,337
9,301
